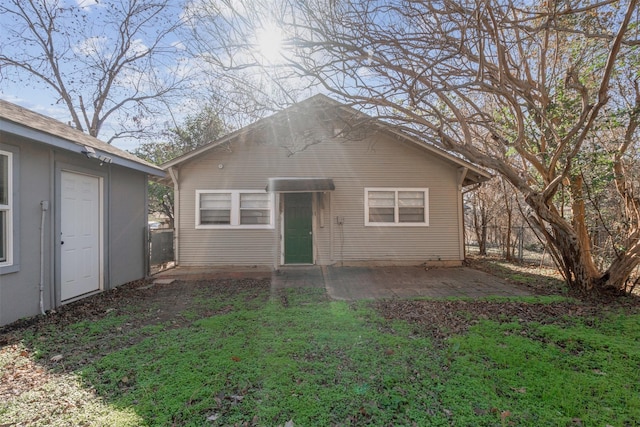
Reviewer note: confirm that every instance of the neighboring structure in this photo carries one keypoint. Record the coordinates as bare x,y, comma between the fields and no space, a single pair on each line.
73,214
319,183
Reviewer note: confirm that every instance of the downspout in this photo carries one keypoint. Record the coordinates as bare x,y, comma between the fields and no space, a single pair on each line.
462,174
173,173
44,205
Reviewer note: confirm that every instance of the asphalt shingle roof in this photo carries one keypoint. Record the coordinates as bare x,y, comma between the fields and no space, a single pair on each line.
31,120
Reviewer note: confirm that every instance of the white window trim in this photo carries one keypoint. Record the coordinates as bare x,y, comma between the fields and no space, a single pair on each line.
9,209
396,223
235,210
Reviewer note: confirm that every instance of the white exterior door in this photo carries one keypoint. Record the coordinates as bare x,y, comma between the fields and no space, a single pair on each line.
81,239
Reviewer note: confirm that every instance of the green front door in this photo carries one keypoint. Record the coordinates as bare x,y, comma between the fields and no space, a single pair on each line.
298,238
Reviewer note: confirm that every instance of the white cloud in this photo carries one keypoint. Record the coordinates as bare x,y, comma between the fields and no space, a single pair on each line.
199,9
86,4
179,45
92,46
138,46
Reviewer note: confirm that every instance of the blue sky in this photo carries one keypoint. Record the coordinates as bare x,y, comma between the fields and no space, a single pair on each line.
93,40
89,40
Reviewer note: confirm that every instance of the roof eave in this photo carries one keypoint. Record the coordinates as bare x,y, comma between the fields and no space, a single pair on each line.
64,144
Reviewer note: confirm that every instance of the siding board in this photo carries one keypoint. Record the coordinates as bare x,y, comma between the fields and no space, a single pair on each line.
376,161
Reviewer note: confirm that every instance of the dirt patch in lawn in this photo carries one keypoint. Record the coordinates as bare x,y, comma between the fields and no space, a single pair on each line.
441,319
156,303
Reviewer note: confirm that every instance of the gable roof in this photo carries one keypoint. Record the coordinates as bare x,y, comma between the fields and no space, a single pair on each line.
25,123
473,175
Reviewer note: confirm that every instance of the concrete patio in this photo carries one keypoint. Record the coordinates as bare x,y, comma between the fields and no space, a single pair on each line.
356,283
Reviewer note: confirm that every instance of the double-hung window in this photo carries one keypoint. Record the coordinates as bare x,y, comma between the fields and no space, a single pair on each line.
396,206
234,209
6,189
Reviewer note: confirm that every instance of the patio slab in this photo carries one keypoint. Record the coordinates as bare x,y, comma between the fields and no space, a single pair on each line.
356,283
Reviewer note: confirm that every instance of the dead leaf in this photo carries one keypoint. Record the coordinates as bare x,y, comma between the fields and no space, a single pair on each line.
504,415
235,358
213,417
289,424
57,358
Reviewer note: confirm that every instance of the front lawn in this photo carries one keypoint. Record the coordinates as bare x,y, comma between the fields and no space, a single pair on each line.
235,353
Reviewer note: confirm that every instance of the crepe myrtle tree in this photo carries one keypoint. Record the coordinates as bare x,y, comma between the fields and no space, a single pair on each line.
534,91
100,59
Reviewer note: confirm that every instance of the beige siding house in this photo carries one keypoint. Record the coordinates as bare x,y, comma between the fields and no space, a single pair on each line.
307,186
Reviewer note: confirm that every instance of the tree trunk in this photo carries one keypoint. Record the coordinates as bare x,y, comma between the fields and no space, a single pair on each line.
480,227
574,251
581,230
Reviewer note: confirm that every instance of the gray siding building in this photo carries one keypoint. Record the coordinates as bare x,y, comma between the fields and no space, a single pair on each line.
319,183
73,214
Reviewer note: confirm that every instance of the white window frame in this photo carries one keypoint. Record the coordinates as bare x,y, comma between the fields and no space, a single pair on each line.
8,209
396,222
235,210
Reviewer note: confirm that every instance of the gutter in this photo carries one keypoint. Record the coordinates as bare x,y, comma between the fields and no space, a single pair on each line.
44,206
173,173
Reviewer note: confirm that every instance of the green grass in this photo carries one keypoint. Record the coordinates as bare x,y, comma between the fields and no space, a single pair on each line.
585,374
304,358
316,364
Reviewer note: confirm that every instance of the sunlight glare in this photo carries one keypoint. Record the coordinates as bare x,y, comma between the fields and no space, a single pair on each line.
270,43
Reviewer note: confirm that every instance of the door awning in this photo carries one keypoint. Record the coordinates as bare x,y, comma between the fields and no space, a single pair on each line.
300,185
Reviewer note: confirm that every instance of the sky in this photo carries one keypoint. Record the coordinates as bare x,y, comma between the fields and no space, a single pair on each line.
92,41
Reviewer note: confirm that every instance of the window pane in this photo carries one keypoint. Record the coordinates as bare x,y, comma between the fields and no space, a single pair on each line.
411,206
254,200
411,198
3,236
382,198
254,209
215,216
381,215
215,201
411,215
254,216
4,179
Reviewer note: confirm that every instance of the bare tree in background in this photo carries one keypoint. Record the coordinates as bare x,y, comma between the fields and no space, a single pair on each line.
527,89
111,58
